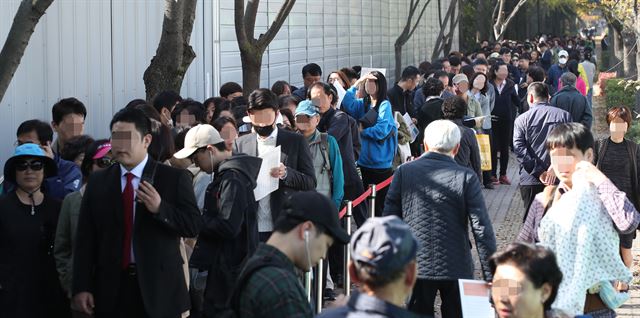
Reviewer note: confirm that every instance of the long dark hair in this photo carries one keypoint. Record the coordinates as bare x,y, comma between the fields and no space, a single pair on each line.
381,94
483,91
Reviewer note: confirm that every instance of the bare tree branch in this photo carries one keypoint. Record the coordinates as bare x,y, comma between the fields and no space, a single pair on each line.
419,18
24,23
241,33
250,19
513,13
500,23
407,32
252,49
267,37
439,46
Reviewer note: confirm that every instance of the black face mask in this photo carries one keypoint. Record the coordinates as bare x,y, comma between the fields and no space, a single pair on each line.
264,131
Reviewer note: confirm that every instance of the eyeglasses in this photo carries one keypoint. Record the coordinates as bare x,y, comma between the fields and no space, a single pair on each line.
33,165
104,162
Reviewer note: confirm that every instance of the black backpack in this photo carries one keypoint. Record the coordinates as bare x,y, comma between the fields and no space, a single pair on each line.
232,309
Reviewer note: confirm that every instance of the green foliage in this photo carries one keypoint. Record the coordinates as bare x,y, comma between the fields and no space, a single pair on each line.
468,26
634,132
618,93
623,93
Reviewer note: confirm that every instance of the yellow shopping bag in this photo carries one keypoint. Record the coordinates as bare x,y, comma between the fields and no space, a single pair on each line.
485,151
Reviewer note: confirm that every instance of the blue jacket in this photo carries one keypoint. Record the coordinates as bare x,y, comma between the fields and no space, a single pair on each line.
69,179
530,132
546,60
380,141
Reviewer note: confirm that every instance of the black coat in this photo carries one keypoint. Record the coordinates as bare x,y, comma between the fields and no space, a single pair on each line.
301,175
439,199
29,285
156,241
401,100
336,123
572,101
230,233
507,102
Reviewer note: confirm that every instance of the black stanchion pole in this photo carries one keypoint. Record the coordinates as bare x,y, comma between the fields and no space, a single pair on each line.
347,251
372,214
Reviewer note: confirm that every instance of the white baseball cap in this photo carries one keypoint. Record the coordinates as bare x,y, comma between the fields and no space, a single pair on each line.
563,53
198,137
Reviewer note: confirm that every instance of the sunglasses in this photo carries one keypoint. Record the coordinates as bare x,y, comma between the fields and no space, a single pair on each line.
33,165
104,162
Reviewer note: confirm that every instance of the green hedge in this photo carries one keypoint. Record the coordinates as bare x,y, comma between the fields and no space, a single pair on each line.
617,95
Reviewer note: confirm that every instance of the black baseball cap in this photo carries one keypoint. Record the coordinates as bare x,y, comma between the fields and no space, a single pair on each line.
317,208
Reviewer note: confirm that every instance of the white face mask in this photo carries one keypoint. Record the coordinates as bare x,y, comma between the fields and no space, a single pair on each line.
562,60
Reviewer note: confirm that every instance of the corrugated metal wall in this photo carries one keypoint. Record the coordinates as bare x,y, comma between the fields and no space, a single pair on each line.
98,50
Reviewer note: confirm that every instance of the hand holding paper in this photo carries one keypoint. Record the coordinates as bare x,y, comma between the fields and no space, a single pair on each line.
266,182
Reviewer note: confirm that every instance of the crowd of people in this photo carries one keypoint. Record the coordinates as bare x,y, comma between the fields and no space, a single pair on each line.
168,216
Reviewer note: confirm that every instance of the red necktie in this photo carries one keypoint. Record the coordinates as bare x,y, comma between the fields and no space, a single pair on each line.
127,204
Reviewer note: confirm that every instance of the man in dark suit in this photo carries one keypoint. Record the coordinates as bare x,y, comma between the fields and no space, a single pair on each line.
296,172
127,260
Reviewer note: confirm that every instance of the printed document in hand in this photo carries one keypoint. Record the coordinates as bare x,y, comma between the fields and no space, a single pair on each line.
341,93
474,299
265,184
411,126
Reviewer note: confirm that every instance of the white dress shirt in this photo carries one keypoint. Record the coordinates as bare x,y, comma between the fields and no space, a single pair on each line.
265,221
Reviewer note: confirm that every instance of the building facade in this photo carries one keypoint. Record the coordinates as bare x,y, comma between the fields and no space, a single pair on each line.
98,50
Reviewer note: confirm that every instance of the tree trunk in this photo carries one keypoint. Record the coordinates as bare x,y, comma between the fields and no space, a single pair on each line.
618,50
252,49
174,54
398,52
24,23
629,51
251,69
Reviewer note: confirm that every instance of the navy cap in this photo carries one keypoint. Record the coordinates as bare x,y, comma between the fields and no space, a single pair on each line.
386,244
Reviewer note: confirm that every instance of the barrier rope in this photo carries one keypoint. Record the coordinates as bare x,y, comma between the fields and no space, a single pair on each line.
366,194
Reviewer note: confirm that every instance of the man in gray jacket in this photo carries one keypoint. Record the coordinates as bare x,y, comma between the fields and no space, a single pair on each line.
529,142
438,199
572,101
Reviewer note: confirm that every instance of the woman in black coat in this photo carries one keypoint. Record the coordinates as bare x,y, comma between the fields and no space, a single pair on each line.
29,285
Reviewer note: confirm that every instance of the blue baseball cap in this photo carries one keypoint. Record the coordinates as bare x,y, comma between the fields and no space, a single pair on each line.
385,244
306,107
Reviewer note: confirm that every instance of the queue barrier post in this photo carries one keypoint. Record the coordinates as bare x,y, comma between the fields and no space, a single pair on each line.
319,284
372,203
347,251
